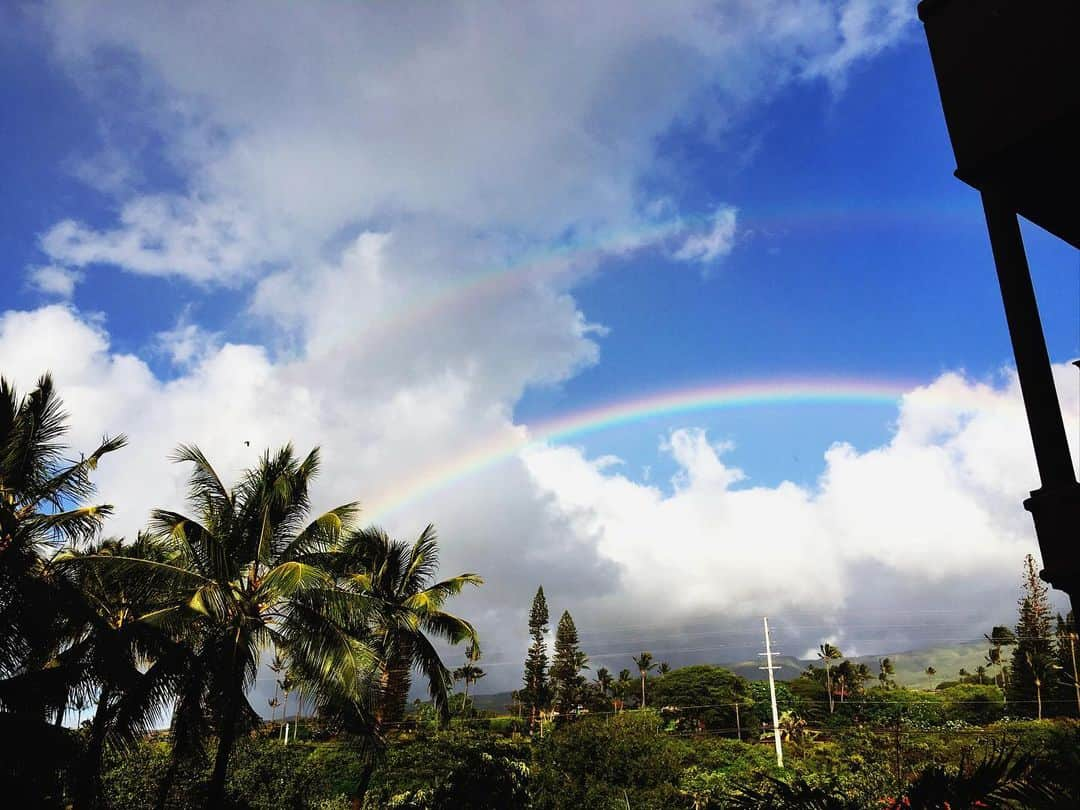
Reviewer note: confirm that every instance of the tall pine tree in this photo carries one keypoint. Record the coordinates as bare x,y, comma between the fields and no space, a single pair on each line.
566,678
535,695
1033,655
1066,688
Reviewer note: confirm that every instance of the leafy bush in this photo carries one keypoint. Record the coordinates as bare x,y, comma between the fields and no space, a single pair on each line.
602,763
705,694
973,703
456,769
506,726
264,774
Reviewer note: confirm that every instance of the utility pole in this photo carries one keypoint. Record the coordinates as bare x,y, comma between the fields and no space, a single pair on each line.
1076,681
772,696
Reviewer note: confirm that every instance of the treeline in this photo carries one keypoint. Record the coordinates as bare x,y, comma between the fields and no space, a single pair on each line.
1031,666
173,623
563,690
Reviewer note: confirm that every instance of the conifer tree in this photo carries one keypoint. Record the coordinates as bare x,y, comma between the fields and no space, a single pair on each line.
1033,654
535,694
1066,683
566,678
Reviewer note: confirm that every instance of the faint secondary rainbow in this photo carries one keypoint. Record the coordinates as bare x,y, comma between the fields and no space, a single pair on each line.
553,263
678,402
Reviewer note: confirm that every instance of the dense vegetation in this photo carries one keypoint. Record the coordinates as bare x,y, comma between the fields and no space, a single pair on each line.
175,623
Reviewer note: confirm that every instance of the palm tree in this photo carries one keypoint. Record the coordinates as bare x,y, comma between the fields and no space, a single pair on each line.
993,659
886,669
399,578
42,506
127,665
273,703
246,574
841,685
621,689
470,673
930,673
827,653
645,665
277,666
604,681
664,668
287,684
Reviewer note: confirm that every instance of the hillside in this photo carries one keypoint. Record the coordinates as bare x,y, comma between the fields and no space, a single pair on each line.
910,665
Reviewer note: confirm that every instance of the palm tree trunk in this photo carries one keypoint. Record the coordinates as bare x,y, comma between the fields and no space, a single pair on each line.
398,679
643,688
828,687
165,786
299,708
226,736
1038,696
88,781
284,717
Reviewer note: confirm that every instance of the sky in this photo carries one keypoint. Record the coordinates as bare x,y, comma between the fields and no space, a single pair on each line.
675,309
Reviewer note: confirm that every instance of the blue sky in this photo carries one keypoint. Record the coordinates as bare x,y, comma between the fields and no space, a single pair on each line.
876,265
207,226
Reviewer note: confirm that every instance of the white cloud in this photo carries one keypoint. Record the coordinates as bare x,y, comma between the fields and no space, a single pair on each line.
396,189
290,123
933,512
54,280
374,440
865,28
938,506
186,344
162,236
715,242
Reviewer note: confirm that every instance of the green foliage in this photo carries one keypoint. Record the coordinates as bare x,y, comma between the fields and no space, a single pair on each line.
602,763
536,694
1033,653
716,769
787,700
973,704
451,770
704,695
264,774
43,666
566,678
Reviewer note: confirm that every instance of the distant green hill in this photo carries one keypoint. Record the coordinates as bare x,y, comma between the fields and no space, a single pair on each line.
790,667
948,660
910,665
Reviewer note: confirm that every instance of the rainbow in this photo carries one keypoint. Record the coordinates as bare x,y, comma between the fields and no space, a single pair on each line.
553,263
484,455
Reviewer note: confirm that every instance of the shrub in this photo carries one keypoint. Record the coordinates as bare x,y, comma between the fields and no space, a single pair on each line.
973,703
600,763
456,769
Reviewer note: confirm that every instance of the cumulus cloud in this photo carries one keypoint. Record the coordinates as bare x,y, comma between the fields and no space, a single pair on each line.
322,117
392,188
936,508
54,280
164,236
186,344
930,520
228,395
